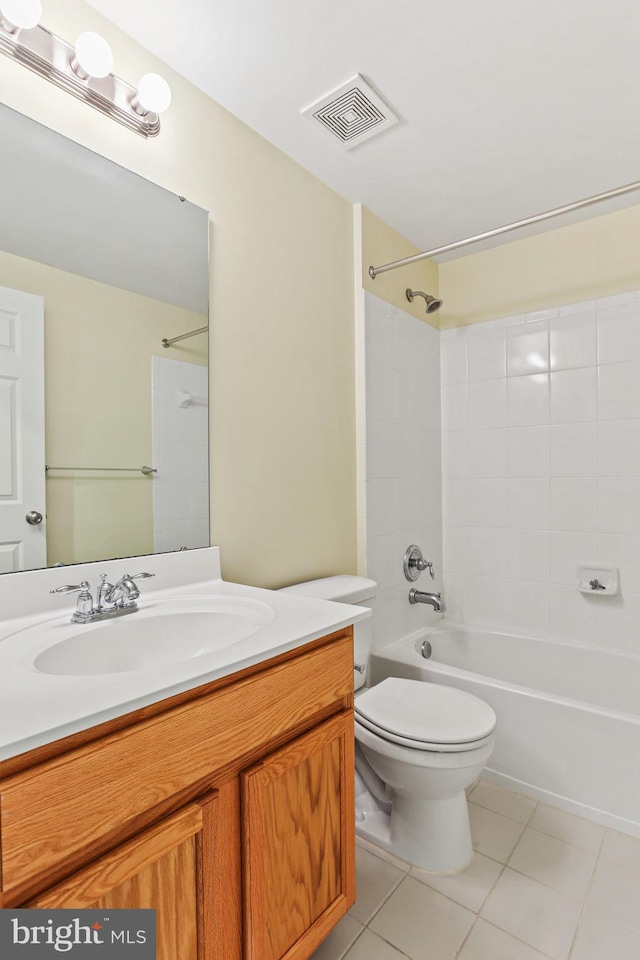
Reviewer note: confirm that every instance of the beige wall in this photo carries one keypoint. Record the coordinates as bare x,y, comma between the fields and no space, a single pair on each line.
282,330
98,346
380,245
595,258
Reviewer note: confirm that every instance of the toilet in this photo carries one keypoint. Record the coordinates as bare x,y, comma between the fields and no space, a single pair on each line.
418,747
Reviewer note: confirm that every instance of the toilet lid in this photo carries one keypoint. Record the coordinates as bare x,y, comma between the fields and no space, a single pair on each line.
425,712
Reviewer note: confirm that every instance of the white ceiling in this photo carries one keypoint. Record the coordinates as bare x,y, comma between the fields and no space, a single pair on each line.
507,107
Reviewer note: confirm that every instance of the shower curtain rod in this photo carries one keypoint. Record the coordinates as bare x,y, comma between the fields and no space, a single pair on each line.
567,208
184,336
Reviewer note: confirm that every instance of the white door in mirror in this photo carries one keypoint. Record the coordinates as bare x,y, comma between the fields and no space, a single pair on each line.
23,541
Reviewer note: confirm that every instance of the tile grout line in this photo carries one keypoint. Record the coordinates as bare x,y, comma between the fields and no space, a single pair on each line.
466,937
448,896
578,925
499,788
385,855
388,942
587,894
383,902
475,922
477,914
552,836
494,923
548,886
353,942
520,873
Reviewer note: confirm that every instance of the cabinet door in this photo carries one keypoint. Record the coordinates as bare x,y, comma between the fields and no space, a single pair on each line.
157,869
299,842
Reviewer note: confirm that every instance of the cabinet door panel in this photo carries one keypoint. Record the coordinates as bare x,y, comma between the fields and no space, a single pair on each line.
156,870
169,886
299,838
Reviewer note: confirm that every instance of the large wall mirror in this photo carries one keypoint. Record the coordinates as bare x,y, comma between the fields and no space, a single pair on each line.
103,431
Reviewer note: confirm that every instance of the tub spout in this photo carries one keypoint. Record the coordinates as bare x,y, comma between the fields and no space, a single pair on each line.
435,599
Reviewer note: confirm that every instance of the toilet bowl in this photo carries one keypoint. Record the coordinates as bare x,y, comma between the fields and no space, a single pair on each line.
427,743
418,747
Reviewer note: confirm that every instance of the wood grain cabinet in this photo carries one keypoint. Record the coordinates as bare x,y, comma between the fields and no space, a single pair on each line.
229,809
298,826
155,870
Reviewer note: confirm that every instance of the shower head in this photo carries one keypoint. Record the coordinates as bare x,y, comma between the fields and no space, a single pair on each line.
433,303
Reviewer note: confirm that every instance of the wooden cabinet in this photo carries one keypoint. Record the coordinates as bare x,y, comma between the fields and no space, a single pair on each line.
298,842
156,870
228,809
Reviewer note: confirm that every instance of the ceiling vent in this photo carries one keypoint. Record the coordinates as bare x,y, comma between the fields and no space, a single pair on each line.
352,113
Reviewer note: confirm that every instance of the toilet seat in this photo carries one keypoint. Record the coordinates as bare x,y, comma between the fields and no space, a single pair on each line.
425,716
426,746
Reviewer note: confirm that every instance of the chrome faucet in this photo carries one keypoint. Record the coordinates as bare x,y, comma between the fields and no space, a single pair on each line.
125,591
112,600
435,599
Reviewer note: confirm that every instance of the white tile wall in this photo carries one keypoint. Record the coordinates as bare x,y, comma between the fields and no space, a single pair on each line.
404,469
541,469
486,353
180,455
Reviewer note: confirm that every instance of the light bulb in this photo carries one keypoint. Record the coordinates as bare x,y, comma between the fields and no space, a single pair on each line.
154,93
23,14
93,56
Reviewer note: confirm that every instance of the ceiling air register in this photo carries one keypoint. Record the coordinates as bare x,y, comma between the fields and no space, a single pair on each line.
352,112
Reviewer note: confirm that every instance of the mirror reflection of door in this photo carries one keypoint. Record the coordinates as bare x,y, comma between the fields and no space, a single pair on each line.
23,541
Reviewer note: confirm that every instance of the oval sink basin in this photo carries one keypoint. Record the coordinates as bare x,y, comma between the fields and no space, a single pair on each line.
162,632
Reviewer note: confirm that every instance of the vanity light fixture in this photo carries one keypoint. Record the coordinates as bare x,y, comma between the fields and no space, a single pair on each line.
84,70
154,95
93,56
20,15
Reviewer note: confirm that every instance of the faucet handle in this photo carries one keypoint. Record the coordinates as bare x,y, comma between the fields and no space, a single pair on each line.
85,600
414,563
139,576
71,587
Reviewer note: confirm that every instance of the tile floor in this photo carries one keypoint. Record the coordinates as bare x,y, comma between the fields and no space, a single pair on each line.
543,885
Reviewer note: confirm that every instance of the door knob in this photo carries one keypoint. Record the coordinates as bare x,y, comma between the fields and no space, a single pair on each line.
34,518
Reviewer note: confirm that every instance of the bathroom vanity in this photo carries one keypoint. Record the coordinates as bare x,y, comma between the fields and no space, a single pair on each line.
228,806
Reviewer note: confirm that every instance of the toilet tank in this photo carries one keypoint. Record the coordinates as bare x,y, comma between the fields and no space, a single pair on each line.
346,589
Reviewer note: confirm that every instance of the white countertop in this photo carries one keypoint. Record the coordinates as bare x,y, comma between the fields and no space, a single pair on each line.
37,708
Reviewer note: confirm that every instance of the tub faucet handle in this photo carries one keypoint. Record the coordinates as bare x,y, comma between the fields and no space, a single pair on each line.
414,563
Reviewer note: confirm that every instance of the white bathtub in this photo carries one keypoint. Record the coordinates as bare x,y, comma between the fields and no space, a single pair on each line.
568,714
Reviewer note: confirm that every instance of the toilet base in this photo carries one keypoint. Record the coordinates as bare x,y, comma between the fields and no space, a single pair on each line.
434,834
440,844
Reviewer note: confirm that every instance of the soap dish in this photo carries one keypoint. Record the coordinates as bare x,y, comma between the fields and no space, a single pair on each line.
598,580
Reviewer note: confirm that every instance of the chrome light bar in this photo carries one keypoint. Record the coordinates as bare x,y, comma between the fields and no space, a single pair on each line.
52,57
